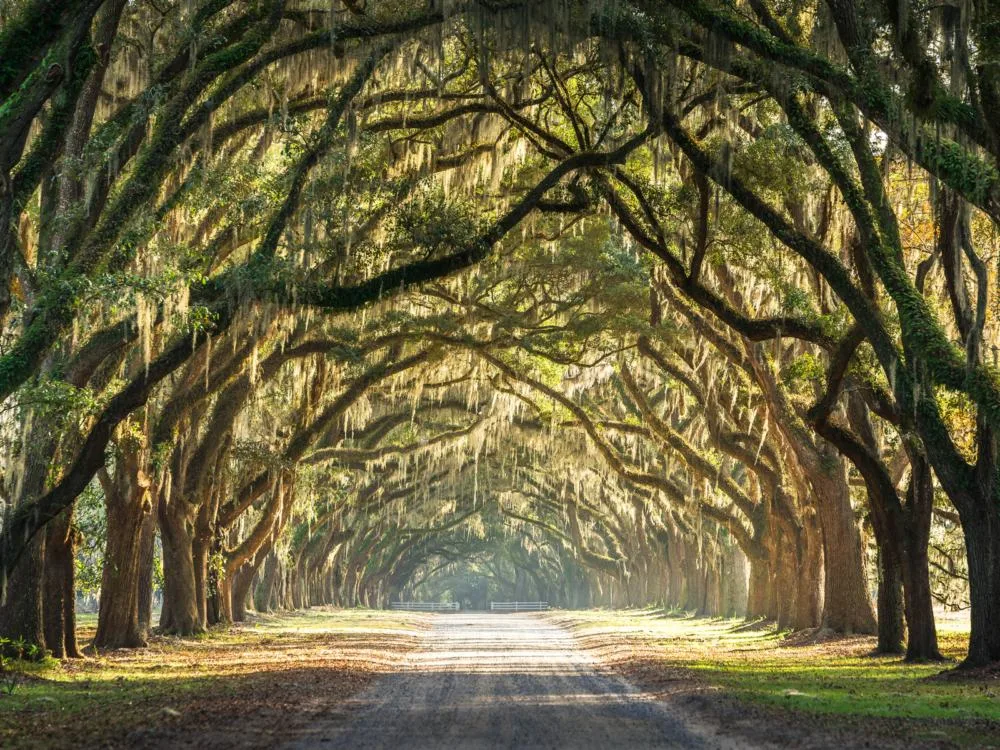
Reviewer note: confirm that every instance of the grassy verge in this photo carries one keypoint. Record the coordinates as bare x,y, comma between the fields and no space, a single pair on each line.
263,679
816,681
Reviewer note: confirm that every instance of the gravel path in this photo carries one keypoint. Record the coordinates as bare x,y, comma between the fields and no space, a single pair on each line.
501,681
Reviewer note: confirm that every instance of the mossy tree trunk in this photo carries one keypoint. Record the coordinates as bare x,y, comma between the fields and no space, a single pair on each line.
59,589
921,642
22,606
147,555
21,612
889,601
182,612
129,504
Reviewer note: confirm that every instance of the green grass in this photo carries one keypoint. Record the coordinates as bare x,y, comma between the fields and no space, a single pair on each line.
274,661
273,664
837,677
869,687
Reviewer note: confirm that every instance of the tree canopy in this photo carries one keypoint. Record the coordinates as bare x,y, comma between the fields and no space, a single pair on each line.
597,301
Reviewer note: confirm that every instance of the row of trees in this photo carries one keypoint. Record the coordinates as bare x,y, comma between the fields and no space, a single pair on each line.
611,302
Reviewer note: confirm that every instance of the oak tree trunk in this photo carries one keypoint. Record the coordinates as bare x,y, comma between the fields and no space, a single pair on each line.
128,505
921,642
21,610
59,589
847,607
890,601
181,614
147,555
982,542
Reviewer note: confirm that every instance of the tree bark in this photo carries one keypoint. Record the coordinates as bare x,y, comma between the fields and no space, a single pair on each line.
147,555
21,603
921,630
242,582
758,592
983,550
890,601
809,606
847,607
181,613
128,503
21,611
265,589
59,590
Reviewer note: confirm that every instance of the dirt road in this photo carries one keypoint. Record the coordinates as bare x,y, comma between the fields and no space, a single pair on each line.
501,681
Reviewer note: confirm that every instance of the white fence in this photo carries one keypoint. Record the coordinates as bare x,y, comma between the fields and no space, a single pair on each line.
519,606
426,606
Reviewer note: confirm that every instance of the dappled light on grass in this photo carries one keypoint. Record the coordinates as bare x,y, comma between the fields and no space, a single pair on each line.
264,676
811,672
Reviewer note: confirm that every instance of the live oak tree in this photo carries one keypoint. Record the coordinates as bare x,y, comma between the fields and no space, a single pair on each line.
610,302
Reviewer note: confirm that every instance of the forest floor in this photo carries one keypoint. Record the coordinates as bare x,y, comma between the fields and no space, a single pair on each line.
805,690
307,678
250,685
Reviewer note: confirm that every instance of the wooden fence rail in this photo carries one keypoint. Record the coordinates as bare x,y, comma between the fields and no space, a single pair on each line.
425,606
519,606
